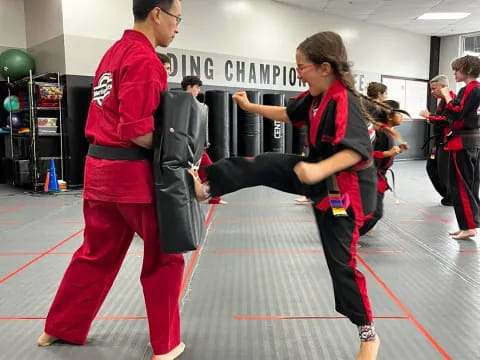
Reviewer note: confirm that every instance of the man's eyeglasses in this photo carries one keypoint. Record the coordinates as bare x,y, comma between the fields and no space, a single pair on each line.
178,18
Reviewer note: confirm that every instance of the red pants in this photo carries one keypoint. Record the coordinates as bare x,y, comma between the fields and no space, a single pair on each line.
206,161
109,230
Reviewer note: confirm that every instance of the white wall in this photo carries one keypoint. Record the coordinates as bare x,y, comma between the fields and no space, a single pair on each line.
449,50
254,28
12,24
98,19
43,20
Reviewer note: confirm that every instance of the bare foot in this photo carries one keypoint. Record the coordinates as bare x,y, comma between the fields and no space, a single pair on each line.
173,354
199,187
46,340
454,232
371,231
302,200
465,234
369,349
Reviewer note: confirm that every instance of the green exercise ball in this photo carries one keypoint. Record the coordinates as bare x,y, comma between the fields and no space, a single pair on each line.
11,103
16,64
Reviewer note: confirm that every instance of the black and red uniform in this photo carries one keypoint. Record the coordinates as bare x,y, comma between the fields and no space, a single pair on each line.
384,141
119,202
463,143
335,123
438,160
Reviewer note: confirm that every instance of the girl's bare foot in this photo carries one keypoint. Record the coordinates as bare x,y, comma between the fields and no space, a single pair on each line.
46,340
201,190
454,232
465,234
173,354
369,349
302,200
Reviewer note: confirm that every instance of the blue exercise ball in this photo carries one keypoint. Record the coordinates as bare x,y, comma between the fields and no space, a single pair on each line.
11,103
15,120
16,64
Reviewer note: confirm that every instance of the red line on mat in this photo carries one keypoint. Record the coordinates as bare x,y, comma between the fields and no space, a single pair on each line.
6,318
2,280
274,221
274,252
410,316
379,251
418,221
470,251
193,259
246,317
280,252
13,208
437,218
433,216
140,253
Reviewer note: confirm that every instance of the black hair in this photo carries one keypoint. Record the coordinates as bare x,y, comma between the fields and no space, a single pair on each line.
383,114
191,81
164,59
141,8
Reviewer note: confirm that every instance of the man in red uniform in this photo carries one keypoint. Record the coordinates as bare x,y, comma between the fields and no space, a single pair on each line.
119,189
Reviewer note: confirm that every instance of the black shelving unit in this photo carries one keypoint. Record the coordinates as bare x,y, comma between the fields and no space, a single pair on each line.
30,148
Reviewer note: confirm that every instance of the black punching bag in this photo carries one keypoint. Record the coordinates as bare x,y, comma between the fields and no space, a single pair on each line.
288,134
249,129
300,138
218,124
233,128
273,131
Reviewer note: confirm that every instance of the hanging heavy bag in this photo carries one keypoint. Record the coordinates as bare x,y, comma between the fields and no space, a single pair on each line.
179,139
273,131
218,124
250,137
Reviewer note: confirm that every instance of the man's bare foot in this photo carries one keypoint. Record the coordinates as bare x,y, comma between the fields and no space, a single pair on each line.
173,354
454,232
465,234
46,340
369,349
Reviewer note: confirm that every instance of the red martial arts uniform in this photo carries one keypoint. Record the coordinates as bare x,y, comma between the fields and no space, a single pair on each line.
119,202
384,141
463,144
438,161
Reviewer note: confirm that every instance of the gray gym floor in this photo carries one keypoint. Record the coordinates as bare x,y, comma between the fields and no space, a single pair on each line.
259,287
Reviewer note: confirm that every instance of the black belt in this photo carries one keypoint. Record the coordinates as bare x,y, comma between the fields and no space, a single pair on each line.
117,153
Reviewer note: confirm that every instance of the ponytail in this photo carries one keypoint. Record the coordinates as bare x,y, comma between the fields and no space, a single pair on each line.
347,79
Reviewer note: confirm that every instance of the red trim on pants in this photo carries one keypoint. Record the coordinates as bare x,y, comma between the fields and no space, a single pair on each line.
467,209
349,182
109,230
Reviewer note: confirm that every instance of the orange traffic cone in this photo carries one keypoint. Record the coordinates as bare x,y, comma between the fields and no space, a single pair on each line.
47,180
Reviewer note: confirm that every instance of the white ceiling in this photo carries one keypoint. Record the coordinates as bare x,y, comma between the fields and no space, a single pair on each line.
401,14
